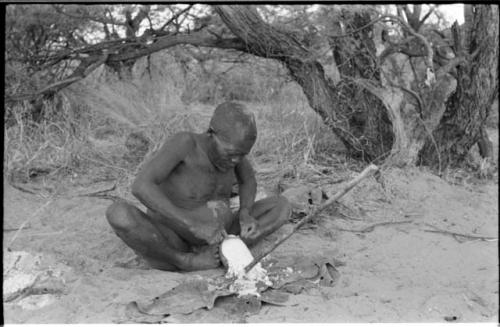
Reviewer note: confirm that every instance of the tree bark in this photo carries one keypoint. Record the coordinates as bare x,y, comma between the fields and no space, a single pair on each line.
372,119
477,86
332,102
357,61
378,107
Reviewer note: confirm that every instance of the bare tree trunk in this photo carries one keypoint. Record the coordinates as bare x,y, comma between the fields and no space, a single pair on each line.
331,102
356,60
477,86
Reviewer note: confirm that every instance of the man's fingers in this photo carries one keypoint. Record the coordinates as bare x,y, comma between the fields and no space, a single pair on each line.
223,234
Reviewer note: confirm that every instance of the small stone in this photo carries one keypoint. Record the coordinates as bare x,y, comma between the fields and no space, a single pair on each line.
35,302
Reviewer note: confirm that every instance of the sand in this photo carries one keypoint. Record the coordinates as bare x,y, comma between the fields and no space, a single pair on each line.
396,269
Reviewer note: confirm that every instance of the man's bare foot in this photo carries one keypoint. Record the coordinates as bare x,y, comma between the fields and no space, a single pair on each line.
206,257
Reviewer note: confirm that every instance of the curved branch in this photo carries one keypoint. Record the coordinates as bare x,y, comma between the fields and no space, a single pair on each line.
82,71
426,16
115,51
175,16
399,20
85,17
430,52
198,39
141,15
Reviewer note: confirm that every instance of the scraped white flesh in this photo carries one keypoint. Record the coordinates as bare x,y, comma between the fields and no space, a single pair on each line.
238,256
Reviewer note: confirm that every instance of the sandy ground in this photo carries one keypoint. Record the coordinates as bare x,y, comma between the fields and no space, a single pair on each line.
397,271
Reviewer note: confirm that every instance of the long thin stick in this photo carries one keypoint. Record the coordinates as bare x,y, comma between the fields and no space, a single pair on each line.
36,213
365,173
455,234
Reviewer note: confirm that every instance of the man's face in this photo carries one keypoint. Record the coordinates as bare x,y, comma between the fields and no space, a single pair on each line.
230,153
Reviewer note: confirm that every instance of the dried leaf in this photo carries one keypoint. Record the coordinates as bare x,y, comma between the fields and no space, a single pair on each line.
298,286
239,306
274,297
184,298
328,275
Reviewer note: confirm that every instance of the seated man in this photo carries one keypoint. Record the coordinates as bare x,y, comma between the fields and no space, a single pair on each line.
186,188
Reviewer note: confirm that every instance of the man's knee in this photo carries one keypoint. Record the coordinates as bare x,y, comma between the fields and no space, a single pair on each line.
285,207
120,216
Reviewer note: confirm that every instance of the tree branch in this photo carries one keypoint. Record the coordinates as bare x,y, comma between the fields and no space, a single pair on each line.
88,17
412,17
115,51
422,21
141,15
392,18
175,16
83,70
198,39
368,171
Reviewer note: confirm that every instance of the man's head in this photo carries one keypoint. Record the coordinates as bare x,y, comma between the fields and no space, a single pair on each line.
234,131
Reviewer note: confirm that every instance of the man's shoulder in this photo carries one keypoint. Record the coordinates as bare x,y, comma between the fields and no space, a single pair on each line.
183,138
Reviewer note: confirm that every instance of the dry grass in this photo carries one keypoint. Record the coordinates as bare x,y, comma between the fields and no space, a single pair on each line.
88,137
46,147
86,143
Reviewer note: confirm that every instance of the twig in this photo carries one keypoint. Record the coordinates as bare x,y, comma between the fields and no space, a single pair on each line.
89,17
82,71
371,228
454,234
337,180
175,16
45,233
37,212
99,193
365,173
347,217
104,163
20,188
14,229
392,18
108,197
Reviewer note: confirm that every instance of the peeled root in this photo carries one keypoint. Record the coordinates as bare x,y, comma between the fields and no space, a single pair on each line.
235,256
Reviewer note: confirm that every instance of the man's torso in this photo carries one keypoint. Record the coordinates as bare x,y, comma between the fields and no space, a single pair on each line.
195,181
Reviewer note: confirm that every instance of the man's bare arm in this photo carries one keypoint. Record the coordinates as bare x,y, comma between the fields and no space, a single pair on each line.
146,185
247,184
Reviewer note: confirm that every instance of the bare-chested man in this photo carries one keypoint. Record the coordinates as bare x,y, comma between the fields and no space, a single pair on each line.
186,188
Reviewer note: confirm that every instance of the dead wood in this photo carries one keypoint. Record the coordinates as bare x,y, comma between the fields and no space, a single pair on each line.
21,188
15,229
100,192
372,227
456,235
365,173
34,215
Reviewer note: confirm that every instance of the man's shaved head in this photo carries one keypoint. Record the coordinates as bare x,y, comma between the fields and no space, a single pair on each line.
234,123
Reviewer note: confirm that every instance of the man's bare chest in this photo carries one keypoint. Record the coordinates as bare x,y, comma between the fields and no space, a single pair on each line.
197,180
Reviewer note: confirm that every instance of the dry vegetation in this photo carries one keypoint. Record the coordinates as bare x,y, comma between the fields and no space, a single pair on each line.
103,128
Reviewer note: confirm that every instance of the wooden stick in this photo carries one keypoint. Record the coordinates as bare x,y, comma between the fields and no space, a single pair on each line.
37,212
455,234
99,193
365,173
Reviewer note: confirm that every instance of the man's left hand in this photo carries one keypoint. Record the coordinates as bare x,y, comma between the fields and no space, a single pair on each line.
249,225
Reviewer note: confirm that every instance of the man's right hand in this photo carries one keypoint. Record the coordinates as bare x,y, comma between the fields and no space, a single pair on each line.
208,224
209,234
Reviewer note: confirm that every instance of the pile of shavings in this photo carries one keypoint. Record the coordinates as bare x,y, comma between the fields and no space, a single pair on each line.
237,257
